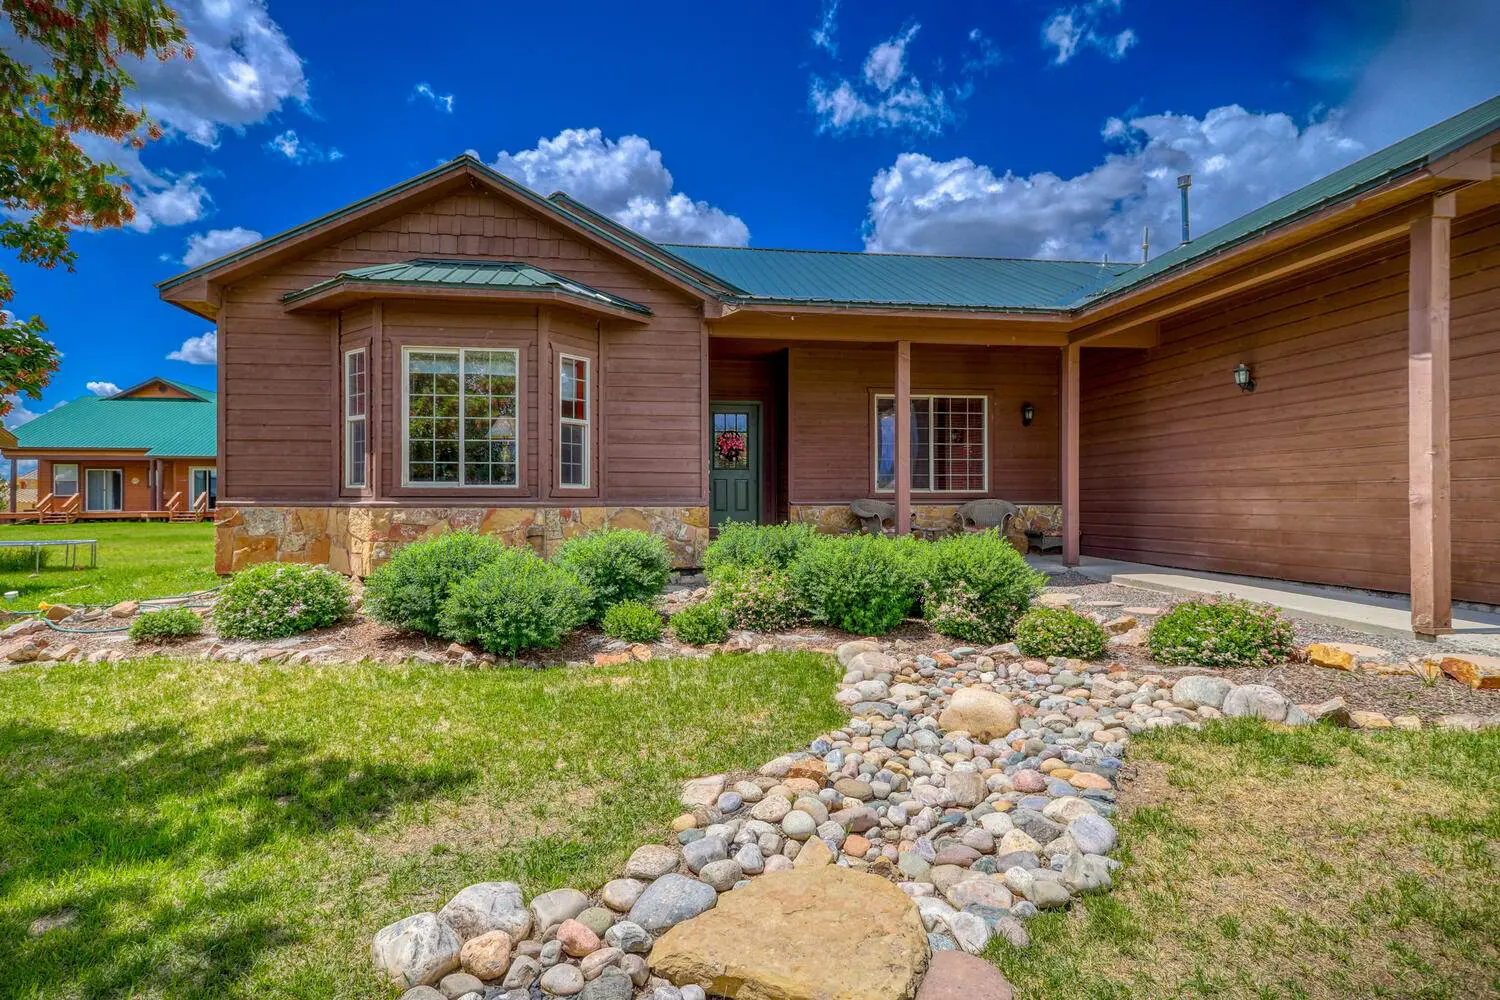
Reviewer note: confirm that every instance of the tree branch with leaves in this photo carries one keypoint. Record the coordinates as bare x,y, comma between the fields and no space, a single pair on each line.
61,75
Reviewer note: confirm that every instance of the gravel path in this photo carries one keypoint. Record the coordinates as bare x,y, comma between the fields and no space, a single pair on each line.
1304,683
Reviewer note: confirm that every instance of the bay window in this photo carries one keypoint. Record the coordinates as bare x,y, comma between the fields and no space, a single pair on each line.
573,422
356,405
948,447
461,417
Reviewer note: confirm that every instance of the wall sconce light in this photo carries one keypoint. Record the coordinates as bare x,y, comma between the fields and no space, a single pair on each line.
1242,377
1028,414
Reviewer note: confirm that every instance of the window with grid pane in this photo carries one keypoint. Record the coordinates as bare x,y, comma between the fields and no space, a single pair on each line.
573,421
356,400
947,444
461,417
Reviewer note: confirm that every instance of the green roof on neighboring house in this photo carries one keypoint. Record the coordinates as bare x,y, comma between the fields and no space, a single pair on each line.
164,428
510,275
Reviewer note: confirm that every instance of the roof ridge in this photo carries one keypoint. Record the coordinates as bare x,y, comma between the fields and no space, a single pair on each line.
902,253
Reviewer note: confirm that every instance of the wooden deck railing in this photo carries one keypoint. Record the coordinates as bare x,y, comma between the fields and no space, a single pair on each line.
173,502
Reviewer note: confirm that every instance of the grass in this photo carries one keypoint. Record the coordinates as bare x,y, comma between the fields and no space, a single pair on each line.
136,560
222,830
1309,863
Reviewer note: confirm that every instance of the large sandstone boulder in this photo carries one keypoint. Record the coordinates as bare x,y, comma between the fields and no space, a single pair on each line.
1476,670
983,714
813,934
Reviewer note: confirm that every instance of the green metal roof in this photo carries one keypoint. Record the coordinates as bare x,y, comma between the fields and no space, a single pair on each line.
920,281
164,428
509,275
1399,159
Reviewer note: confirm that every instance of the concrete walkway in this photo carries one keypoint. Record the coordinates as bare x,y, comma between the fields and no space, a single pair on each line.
1475,628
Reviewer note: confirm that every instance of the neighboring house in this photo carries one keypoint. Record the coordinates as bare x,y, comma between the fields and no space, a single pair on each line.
149,451
460,351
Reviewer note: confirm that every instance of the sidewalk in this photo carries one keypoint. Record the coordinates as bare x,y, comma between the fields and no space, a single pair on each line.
1376,614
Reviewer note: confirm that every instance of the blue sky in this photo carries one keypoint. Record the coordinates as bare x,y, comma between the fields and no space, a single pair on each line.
1012,127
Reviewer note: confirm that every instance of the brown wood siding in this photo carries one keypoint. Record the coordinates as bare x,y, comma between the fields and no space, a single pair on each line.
135,496
280,380
1305,478
830,416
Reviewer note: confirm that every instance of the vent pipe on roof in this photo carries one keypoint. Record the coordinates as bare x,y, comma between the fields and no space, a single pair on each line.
1184,182
1145,244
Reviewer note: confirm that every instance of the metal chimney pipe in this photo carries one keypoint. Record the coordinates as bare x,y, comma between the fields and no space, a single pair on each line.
1185,181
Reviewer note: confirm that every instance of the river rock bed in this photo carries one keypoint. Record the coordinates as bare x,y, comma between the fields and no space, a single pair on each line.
978,785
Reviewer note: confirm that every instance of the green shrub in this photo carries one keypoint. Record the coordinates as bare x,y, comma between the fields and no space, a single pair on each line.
1221,632
408,592
617,565
768,546
1047,632
275,600
632,621
701,624
859,583
168,623
513,603
975,586
757,598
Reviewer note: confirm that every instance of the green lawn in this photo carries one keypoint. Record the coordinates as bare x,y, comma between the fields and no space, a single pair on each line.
1307,863
221,830
136,560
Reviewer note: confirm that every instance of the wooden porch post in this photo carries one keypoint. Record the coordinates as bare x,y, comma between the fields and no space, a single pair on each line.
1428,454
1068,454
13,464
156,484
903,437
546,403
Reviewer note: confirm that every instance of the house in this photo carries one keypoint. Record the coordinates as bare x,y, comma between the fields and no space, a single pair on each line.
1304,393
149,451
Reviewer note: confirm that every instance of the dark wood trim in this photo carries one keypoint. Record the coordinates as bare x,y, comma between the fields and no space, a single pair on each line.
546,404
350,293
336,402
705,405
1429,442
903,437
1068,453
375,408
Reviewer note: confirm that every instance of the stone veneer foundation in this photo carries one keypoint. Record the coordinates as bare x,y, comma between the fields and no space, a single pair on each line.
354,539
835,519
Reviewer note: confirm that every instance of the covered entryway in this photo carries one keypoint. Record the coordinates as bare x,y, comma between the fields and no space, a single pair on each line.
734,463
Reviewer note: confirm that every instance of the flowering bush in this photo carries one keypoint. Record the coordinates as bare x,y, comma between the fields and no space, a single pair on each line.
617,565
275,600
632,621
701,624
975,585
1221,632
1060,632
168,623
513,603
757,598
409,591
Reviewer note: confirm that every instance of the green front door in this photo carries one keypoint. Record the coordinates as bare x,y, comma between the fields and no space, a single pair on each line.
734,463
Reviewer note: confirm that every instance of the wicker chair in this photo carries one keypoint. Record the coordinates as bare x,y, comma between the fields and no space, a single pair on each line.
979,515
873,515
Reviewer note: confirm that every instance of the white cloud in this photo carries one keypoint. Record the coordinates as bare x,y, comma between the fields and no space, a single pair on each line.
888,95
299,150
202,350
443,102
102,388
243,70
825,35
625,180
204,247
1239,159
1072,28
160,199
18,414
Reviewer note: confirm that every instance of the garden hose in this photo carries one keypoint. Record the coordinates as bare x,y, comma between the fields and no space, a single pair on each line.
42,607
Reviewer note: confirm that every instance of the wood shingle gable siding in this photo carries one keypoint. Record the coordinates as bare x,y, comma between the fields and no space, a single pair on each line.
280,369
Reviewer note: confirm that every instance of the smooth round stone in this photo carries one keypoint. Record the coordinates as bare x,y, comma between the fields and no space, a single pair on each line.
730,802
814,807
563,980
799,825
978,839
577,938
751,859
620,894
596,962
749,791
1029,781
629,937
596,919
771,809
651,861
722,875
853,788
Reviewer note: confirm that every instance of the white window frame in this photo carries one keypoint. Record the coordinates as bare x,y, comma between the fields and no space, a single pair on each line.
352,419
77,477
212,470
984,430
586,423
406,481
103,510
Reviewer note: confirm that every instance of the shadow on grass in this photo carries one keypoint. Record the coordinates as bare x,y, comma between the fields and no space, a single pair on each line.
154,851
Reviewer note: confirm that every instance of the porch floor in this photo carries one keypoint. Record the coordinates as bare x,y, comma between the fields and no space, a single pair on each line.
1475,627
